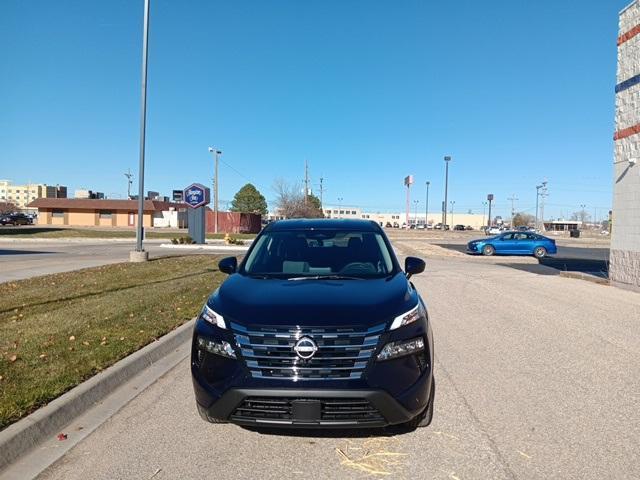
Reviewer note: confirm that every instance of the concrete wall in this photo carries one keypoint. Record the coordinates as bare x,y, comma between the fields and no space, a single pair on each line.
625,235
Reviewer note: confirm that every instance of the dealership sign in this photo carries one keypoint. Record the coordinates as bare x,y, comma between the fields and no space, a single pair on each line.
196,195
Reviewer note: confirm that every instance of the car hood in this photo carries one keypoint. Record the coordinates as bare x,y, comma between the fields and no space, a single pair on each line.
251,301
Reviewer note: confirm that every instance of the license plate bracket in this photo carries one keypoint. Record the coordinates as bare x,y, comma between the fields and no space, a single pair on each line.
306,410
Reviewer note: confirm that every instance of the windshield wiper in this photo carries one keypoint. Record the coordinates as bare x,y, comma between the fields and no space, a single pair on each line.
325,277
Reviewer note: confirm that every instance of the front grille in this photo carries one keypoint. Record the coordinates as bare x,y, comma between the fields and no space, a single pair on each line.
335,410
343,353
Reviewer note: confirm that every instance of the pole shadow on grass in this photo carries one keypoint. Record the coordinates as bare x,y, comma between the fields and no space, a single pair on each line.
27,230
4,252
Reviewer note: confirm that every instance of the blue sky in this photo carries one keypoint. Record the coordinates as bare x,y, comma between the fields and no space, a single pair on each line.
367,91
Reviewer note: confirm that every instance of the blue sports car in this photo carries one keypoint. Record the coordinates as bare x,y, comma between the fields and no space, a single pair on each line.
514,243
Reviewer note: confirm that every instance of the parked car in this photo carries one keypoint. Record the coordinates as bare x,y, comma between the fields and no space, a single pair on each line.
458,227
494,230
469,227
15,219
420,226
514,243
318,326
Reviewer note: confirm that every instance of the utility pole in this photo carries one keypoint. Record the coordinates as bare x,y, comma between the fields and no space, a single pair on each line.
513,199
543,187
452,203
447,159
321,192
140,255
489,199
129,176
216,182
426,207
543,194
583,214
306,181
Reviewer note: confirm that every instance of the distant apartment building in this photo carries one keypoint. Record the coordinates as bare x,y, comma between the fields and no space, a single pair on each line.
625,231
22,195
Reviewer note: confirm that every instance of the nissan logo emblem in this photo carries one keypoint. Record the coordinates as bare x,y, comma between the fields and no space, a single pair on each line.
305,348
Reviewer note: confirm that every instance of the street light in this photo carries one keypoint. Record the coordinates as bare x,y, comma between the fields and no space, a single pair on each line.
415,212
426,207
583,214
447,159
140,255
216,154
340,206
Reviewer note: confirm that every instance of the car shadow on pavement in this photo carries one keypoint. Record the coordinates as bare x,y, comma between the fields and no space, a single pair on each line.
583,265
391,431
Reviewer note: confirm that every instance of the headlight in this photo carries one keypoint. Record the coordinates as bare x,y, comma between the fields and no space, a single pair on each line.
212,317
402,348
221,348
406,318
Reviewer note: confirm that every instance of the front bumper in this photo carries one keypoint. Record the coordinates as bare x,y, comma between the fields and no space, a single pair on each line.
304,408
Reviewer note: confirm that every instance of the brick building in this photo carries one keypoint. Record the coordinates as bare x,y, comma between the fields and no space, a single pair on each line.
625,235
80,212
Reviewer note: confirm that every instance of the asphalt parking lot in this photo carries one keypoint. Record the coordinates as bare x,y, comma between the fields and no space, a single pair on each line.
537,378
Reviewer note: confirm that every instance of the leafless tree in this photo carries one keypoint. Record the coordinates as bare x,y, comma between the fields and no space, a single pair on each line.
523,219
290,201
581,216
7,207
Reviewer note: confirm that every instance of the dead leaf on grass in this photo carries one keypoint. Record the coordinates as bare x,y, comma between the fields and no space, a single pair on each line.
13,358
72,338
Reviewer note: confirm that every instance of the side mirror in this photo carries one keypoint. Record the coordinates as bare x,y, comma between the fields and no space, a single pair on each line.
228,265
413,266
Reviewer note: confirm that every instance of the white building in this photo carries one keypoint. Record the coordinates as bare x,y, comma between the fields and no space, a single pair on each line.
625,231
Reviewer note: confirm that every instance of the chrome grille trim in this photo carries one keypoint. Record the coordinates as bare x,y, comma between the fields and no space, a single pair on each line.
343,353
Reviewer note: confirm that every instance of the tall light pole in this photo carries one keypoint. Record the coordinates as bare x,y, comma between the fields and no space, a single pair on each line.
140,256
452,203
447,159
340,206
216,154
426,207
129,176
415,212
583,214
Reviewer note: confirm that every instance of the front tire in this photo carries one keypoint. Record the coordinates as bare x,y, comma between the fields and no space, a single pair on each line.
540,252
488,250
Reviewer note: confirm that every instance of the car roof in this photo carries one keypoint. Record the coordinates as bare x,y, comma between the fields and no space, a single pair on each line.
323,224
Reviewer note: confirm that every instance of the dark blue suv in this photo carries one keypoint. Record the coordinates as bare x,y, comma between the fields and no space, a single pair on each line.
317,327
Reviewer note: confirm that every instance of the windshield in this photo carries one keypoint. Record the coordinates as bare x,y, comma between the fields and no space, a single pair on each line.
320,253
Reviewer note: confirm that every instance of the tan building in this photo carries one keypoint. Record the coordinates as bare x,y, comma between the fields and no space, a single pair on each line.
21,195
80,212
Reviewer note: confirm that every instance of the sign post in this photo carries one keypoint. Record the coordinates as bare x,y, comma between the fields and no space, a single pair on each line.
196,196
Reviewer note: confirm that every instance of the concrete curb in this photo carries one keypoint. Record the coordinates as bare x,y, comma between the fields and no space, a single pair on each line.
585,276
26,434
231,248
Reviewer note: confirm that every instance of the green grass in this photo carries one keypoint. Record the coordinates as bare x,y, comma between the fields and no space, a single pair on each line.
53,232
58,330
